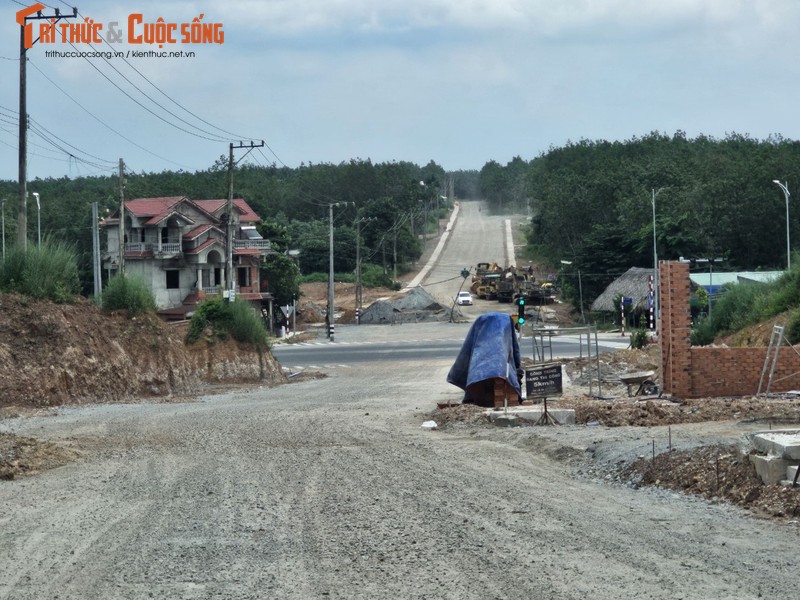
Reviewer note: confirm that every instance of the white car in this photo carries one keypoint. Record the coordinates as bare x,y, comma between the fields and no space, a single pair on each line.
464,298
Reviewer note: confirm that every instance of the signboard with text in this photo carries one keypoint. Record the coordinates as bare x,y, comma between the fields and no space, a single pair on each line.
543,381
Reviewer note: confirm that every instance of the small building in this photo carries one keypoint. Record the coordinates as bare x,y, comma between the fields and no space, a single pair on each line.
712,282
177,247
634,284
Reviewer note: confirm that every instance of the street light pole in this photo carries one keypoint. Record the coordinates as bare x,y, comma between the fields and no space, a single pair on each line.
656,192
4,228
358,259
580,289
785,188
330,275
38,220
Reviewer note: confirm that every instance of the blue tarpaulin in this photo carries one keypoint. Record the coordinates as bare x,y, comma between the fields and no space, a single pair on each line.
489,351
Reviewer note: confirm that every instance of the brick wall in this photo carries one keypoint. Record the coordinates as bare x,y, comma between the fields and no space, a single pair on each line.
697,372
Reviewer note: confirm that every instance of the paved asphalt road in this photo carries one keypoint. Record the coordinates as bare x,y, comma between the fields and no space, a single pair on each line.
381,343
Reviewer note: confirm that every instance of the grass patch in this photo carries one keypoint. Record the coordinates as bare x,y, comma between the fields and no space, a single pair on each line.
46,272
128,293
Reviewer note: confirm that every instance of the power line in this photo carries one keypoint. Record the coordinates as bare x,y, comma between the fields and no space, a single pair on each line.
35,126
163,93
152,112
103,123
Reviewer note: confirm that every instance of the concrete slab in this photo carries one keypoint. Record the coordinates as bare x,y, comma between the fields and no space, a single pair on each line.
503,420
533,414
784,443
791,471
771,469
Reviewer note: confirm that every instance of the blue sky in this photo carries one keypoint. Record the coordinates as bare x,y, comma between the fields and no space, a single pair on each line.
457,81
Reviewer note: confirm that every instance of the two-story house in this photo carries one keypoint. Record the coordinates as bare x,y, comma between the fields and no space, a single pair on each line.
177,246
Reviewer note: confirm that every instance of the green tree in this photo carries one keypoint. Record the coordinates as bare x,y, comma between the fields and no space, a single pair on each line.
282,276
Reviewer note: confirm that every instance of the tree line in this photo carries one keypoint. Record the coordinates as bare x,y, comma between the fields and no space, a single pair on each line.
388,206
591,202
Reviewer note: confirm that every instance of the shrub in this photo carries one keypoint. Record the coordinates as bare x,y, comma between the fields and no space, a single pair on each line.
639,339
235,319
49,271
128,293
373,276
792,332
323,278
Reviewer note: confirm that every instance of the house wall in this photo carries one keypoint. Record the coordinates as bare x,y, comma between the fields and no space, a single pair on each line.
155,278
701,372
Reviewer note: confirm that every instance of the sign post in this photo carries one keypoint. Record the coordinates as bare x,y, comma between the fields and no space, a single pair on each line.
543,381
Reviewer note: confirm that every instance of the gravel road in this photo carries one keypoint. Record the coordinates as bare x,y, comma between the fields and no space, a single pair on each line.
329,488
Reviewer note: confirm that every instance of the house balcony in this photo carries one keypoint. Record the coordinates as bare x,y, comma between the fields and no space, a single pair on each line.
149,249
264,245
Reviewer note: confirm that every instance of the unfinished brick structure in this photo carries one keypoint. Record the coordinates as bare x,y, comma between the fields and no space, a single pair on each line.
698,372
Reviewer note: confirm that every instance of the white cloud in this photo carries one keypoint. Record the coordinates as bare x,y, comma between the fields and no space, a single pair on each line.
291,17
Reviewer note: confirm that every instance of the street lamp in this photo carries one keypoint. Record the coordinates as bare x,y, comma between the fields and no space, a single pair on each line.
656,192
38,220
4,228
580,289
785,188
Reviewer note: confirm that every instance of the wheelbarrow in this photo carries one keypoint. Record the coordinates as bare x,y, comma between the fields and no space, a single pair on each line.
644,382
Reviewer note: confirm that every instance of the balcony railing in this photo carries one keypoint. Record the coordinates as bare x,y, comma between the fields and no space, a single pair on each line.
142,247
248,244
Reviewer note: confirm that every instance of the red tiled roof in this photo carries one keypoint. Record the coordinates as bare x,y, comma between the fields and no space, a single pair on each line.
247,214
203,246
198,231
254,251
166,215
151,207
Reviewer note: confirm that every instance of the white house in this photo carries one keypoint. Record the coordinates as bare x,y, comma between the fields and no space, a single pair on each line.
177,247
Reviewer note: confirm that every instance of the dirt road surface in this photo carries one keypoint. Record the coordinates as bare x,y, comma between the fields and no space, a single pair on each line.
329,488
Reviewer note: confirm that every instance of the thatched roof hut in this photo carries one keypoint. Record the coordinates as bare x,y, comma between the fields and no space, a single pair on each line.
634,283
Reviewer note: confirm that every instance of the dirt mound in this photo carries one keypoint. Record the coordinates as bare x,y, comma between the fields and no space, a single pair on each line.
754,336
55,354
716,473
417,306
313,301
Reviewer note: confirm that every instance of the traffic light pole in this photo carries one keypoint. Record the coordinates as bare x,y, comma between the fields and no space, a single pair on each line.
464,274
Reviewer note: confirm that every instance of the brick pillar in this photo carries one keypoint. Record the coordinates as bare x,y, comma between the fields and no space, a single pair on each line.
675,328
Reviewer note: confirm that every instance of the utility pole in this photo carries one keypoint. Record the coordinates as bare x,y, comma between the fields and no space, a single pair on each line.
121,268
330,310
98,287
230,228
26,41
358,258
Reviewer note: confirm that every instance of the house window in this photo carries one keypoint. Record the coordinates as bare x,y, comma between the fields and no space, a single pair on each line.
173,280
244,276
164,235
141,233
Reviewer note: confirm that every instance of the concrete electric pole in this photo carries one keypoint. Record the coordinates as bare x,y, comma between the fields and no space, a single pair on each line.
230,230
26,41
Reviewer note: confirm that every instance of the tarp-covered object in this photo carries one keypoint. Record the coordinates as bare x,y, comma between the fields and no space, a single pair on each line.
489,351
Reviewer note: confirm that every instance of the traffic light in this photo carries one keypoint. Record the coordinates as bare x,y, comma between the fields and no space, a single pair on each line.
521,311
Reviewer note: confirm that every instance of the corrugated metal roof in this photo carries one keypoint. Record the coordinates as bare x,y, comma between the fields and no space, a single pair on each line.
715,279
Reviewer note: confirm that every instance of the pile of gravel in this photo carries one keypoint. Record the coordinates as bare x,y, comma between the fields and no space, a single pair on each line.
417,306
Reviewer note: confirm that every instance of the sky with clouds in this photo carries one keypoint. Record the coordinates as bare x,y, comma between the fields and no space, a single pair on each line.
460,82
